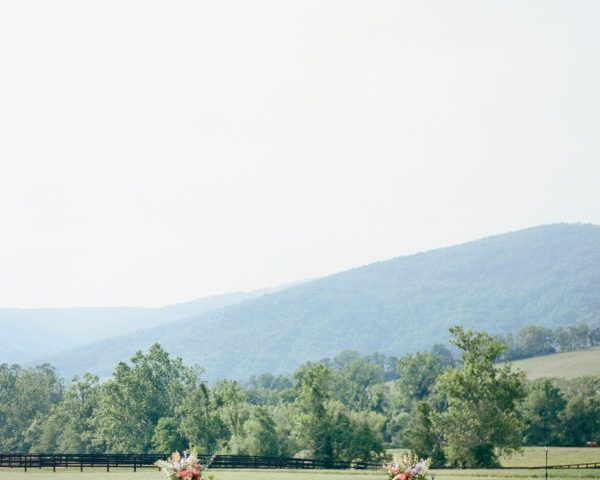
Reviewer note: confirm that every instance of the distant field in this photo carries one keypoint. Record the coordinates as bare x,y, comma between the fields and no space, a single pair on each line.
297,475
562,365
534,456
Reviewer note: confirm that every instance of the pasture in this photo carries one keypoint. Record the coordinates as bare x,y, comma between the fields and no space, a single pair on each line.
99,474
566,365
535,456
531,456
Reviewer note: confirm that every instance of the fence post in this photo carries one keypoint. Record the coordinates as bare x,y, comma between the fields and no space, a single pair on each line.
54,463
107,463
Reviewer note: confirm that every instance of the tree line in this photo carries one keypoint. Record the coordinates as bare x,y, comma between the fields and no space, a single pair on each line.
460,409
535,340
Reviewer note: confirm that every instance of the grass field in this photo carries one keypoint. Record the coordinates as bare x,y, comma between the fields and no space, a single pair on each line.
74,474
535,456
531,456
562,365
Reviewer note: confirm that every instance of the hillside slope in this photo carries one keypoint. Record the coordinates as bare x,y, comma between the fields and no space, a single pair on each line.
566,365
33,333
544,275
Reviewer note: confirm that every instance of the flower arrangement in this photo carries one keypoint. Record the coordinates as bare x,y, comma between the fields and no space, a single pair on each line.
410,467
185,467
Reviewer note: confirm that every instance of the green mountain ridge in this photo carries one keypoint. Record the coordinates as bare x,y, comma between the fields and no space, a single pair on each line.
545,275
32,333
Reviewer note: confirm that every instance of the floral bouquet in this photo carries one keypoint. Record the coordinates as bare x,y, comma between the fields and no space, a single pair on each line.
185,467
409,468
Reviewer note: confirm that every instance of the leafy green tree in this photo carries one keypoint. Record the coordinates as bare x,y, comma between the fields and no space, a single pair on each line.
261,437
418,372
363,441
314,424
137,397
534,340
481,418
268,389
354,381
422,438
167,437
67,428
26,398
580,420
563,339
541,410
284,416
200,422
233,406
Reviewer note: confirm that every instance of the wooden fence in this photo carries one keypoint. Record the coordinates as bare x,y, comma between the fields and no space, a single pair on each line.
135,461
591,465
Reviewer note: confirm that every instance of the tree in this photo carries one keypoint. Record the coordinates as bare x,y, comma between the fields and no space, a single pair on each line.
419,372
481,418
422,438
232,402
261,434
167,437
580,420
67,428
314,424
137,397
354,381
26,398
199,419
534,340
541,411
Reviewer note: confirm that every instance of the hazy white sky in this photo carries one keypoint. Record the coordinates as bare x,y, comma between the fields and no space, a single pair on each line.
157,151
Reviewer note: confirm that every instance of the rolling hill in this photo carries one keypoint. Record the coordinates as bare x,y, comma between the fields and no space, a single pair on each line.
546,275
32,333
565,365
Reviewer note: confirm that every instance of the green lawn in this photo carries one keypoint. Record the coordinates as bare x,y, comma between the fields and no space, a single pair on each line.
562,365
74,474
531,456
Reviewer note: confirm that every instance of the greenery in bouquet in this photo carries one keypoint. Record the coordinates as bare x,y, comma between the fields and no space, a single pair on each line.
410,467
185,467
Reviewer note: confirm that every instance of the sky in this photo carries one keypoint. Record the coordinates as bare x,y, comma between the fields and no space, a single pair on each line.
153,152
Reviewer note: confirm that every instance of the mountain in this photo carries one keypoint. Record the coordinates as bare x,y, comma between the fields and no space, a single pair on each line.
547,275
32,333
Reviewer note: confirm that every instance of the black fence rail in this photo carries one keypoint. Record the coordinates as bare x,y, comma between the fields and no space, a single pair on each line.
591,465
135,461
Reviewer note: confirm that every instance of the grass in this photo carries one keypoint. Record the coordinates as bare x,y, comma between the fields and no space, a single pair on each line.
535,456
89,474
531,456
562,365
74,474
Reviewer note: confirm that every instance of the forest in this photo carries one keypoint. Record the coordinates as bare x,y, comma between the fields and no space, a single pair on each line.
349,407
